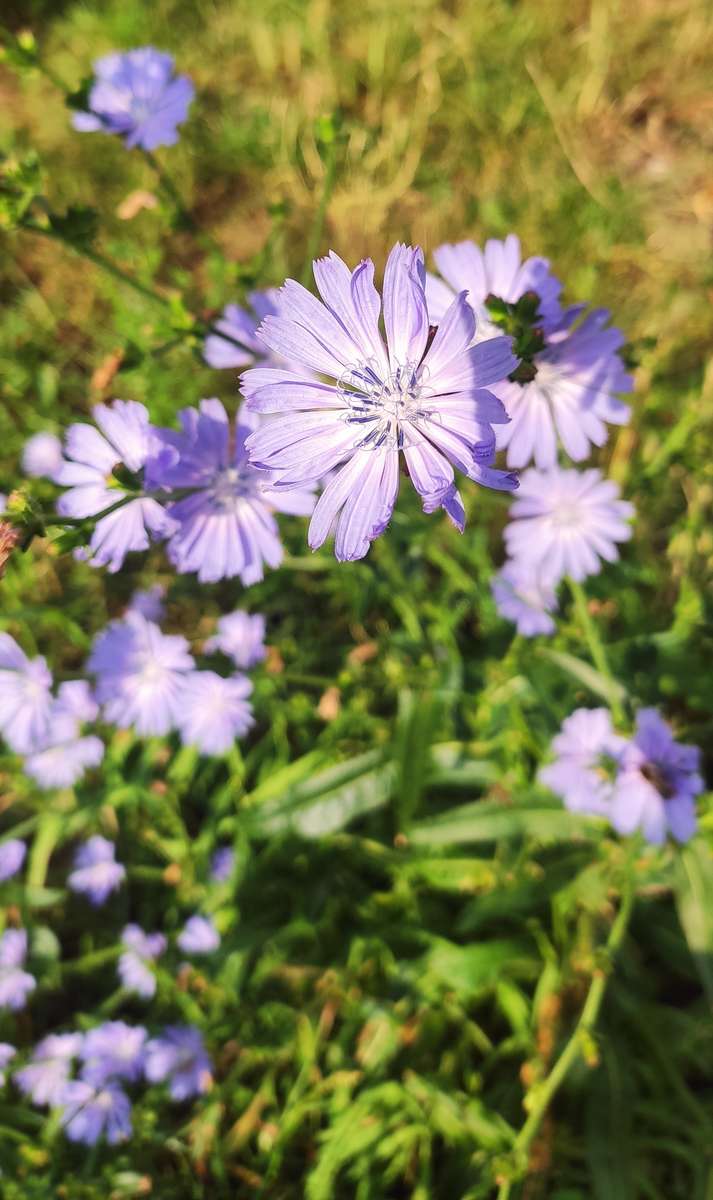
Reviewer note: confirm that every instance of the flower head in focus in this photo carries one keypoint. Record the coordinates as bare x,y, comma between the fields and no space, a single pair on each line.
124,440
15,984
141,674
417,393
42,456
522,597
498,270
138,96
112,1051
48,1070
564,522
226,526
141,950
179,1057
658,783
214,711
241,636
96,872
198,936
89,1112
12,856
25,697
60,759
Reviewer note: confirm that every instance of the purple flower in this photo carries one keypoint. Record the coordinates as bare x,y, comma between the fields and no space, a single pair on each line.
588,753
497,271
565,521
657,784
48,1070
148,602
226,527
572,397
25,697
198,936
126,439
15,984
96,874
111,1051
12,856
141,674
42,455
241,636
7,1052
138,96
418,394
180,1057
241,326
222,864
135,963
522,597
89,1112
62,757
214,711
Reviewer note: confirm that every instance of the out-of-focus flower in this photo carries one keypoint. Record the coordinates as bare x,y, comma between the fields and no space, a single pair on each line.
89,1113
657,784
421,394
62,757
138,96
222,863
149,603
142,949
15,984
141,674
241,327
496,271
113,1050
179,1057
48,1070
588,753
12,856
198,936
125,440
7,1052
96,873
214,711
573,396
42,455
226,527
241,636
25,697
564,522
522,597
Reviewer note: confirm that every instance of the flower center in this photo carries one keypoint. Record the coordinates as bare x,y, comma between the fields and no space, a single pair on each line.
385,407
655,775
228,487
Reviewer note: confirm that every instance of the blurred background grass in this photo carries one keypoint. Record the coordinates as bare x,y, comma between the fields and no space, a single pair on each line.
586,128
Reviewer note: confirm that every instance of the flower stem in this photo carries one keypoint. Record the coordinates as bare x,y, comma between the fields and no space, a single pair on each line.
545,1092
182,211
597,650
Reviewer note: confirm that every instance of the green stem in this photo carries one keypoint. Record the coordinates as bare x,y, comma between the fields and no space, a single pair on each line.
545,1092
596,649
315,235
176,199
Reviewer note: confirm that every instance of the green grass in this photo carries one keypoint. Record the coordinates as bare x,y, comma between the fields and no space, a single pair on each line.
390,991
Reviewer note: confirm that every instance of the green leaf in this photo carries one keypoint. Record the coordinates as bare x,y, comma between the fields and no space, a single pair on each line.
78,225
694,902
489,820
467,970
326,802
584,673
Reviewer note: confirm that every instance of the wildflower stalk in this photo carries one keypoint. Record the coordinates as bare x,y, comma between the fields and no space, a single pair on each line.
596,649
543,1094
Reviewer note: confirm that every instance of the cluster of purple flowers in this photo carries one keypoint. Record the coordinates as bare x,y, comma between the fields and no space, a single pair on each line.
145,679
44,728
111,1057
648,782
